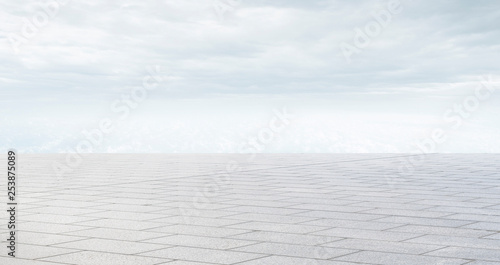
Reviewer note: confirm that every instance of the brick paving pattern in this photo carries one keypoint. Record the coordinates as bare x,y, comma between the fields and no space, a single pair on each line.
277,209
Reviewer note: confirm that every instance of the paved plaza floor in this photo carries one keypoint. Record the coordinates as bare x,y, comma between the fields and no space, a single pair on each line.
275,209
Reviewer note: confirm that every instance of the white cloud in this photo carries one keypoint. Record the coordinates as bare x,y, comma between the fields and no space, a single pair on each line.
286,51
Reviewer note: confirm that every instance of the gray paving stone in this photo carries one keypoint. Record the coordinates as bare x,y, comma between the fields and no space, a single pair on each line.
271,218
115,234
37,252
469,204
384,246
466,210
367,234
457,241
119,224
203,255
19,261
49,228
306,240
482,263
341,215
490,226
56,218
468,253
200,230
331,208
280,260
392,205
424,221
474,217
130,208
197,221
292,250
111,246
181,262
409,213
44,239
93,258
278,209
265,210
274,227
398,259
200,241
435,230
137,216
368,225
59,210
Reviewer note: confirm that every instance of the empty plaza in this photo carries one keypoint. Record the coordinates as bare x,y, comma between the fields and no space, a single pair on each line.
277,209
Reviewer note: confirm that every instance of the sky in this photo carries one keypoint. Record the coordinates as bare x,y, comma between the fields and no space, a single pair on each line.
229,76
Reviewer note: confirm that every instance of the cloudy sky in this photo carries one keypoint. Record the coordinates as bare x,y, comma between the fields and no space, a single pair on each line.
198,76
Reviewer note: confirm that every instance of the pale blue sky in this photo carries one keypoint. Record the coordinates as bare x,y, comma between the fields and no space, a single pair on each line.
222,76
